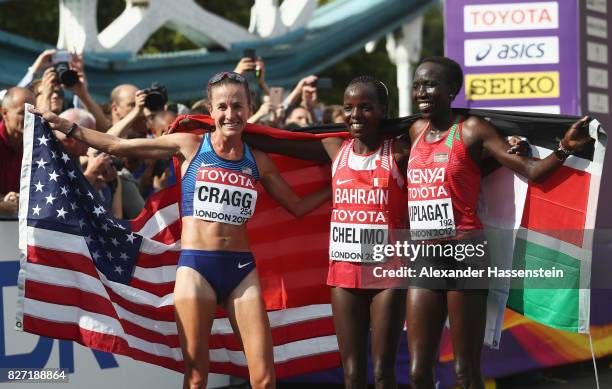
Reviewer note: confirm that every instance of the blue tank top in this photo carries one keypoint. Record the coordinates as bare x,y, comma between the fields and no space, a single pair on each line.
217,189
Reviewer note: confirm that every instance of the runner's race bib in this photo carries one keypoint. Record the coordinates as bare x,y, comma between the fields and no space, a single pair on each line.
353,235
431,219
223,195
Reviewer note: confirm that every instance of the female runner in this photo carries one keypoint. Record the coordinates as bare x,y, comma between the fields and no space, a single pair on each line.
453,145
368,204
218,197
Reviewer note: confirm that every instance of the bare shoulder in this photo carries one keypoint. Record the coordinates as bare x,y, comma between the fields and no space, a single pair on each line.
476,123
333,140
187,143
417,127
476,128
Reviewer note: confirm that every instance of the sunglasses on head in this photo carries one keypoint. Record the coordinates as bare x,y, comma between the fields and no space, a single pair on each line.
223,75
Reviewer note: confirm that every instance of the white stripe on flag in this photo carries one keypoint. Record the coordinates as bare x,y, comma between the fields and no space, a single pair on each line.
160,220
153,247
282,353
156,275
58,241
554,243
281,318
573,161
78,280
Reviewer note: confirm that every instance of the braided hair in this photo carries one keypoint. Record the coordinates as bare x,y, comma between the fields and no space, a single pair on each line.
382,93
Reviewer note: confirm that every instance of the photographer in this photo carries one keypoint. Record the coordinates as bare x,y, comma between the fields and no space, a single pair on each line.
303,95
80,90
48,92
255,65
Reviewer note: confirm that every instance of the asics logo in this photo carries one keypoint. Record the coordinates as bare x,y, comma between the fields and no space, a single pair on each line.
241,265
342,182
483,53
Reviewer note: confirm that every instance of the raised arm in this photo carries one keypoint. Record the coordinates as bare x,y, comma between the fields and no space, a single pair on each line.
157,148
575,138
324,149
278,188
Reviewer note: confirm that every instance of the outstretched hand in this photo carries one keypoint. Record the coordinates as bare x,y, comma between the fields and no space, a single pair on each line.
519,146
55,122
577,136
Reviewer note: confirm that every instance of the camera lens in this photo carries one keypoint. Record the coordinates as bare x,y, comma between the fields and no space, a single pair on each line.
117,163
66,75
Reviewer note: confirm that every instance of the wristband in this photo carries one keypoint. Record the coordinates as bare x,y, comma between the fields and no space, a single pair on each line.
71,129
562,153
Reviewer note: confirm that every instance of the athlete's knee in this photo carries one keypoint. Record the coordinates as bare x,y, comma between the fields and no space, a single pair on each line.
468,375
421,376
384,372
264,380
355,376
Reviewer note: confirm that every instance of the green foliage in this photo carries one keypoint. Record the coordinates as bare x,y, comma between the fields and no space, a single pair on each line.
34,19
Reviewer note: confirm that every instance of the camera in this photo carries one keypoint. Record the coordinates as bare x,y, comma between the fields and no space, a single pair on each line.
61,64
117,163
157,97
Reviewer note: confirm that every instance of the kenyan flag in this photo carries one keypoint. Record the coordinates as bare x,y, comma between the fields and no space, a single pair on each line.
553,224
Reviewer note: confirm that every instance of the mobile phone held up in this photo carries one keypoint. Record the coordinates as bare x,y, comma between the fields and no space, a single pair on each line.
250,53
61,64
323,83
276,95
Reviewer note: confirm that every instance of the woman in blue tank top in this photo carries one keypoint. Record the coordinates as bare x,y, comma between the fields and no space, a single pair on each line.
218,197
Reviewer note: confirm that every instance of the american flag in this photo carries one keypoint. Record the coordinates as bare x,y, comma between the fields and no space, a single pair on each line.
107,283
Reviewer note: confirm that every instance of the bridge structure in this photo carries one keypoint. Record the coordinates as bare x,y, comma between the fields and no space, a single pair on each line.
296,38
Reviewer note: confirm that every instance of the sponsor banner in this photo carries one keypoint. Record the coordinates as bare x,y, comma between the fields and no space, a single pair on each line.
553,109
511,51
506,38
511,16
497,86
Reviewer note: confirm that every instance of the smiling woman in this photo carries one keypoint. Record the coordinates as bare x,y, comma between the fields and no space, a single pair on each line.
443,189
369,203
216,265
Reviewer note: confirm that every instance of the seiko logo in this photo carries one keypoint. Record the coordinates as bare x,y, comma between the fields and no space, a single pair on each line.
512,85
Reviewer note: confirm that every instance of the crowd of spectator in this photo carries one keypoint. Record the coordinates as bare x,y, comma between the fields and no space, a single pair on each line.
125,183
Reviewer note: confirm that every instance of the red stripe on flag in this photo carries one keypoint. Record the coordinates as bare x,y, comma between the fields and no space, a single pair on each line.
290,368
93,303
282,334
62,260
96,340
169,258
163,313
159,290
82,264
154,203
169,234
557,206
